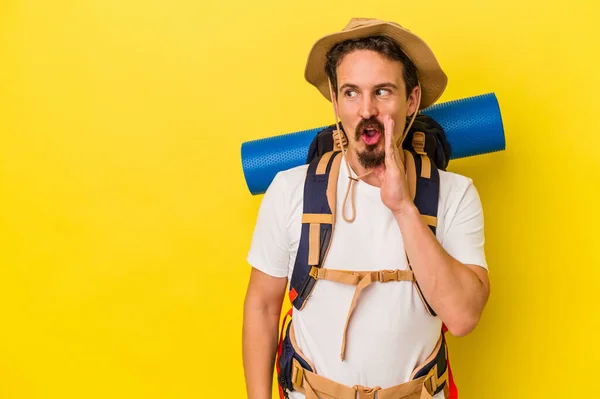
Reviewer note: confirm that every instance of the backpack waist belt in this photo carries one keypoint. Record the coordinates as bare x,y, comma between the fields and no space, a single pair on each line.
427,380
361,280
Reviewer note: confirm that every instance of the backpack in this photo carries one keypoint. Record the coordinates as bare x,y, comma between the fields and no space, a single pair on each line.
426,150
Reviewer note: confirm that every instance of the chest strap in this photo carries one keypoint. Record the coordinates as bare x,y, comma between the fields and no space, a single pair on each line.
361,280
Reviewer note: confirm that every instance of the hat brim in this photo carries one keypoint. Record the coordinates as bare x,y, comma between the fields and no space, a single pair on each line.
432,78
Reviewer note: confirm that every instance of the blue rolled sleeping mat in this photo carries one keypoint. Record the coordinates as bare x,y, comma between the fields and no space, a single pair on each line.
473,126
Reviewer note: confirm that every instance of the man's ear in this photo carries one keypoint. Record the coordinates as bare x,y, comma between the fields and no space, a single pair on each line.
413,101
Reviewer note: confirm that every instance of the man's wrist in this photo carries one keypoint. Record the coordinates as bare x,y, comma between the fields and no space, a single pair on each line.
407,209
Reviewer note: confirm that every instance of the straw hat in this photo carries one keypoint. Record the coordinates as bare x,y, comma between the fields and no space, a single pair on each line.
432,79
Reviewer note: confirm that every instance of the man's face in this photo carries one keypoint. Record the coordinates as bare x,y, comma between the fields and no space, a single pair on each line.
370,86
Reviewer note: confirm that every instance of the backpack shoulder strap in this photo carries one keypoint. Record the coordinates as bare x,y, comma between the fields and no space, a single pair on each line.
424,185
318,217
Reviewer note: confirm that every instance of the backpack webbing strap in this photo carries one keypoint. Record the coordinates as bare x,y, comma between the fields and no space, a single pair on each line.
315,220
320,190
418,144
424,183
435,367
282,393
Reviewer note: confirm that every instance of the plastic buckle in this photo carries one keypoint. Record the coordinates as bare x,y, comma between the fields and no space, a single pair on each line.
388,275
297,374
431,381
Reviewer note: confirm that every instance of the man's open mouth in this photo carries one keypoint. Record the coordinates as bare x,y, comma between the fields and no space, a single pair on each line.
370,135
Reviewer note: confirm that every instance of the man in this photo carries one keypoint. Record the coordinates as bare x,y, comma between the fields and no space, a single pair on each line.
377,75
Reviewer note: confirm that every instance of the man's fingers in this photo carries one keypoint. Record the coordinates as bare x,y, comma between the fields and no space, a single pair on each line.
388,127
390,153
392,156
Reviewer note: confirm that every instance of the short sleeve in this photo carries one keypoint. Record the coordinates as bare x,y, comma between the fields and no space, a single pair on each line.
269,249
464,238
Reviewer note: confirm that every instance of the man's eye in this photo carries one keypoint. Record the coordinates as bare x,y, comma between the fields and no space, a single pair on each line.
382,92
350,93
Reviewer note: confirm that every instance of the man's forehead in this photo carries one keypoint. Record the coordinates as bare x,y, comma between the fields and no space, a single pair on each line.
368,67
367,59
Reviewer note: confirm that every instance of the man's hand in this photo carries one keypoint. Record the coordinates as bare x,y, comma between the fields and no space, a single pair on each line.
394,186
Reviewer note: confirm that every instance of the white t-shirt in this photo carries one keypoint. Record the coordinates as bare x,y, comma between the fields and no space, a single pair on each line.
390,332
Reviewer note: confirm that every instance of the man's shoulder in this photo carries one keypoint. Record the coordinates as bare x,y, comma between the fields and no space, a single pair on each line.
287,187
454,179
458,196
292,178
294,175
453,186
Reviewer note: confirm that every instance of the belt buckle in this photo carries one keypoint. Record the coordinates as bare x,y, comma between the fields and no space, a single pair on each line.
297,373
431,381
388,275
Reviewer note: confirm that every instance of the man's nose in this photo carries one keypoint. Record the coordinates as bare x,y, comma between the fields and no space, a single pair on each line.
367,108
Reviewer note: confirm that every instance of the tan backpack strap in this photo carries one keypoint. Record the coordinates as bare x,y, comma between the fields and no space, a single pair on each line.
323,162
429,220
317,218
332,183
354,277
339,276
314,386
418,144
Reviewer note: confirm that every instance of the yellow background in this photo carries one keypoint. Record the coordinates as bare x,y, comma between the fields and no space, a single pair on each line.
125,218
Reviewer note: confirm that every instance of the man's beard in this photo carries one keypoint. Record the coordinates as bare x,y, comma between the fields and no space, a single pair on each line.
372,156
